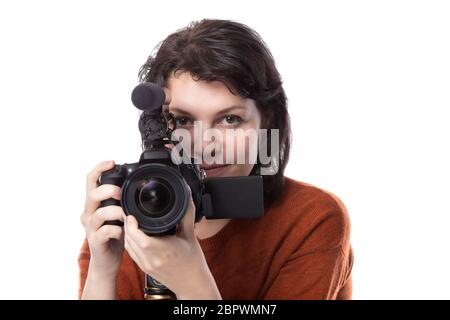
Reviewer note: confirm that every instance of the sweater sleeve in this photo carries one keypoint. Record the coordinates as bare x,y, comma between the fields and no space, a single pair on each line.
83,263
320,263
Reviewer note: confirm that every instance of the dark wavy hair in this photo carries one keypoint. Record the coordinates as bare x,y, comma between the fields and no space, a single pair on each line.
236,55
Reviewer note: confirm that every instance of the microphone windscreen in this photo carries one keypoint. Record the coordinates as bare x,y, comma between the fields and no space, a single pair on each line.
148,96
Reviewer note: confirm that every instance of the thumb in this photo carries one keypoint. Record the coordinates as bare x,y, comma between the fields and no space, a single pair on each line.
131,224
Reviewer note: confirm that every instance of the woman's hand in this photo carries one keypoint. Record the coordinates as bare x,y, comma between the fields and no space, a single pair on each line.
177,261
106,242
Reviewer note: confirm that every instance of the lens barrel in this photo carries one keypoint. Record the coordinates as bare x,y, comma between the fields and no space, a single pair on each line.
157,195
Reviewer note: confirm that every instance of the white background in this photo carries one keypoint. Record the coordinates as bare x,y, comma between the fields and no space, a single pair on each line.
368,84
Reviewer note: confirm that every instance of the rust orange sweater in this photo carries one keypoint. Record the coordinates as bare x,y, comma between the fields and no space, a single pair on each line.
300,249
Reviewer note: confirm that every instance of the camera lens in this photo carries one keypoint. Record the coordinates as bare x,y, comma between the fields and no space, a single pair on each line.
155,197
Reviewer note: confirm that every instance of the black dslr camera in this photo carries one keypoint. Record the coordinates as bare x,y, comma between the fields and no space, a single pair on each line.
156,190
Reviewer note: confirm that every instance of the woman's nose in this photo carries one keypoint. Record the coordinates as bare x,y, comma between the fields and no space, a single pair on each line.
210,142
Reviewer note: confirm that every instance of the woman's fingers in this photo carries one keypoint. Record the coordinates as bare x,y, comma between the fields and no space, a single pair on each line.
103,192
94,174
101,215
108,232
135,234
141,240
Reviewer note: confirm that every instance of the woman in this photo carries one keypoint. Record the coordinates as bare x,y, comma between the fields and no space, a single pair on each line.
221,73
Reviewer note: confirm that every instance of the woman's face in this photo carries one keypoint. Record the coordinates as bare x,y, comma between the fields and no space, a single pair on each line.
222,126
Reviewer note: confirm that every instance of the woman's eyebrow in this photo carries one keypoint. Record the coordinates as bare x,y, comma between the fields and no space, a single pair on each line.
179,110
223,111
226,110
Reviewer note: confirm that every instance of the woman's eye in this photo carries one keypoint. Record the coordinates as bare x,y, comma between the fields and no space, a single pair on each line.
182,121
231,119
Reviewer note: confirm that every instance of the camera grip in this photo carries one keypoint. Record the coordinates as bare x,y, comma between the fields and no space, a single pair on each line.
115,177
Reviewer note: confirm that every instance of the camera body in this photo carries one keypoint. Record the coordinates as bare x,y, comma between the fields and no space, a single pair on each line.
157,192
